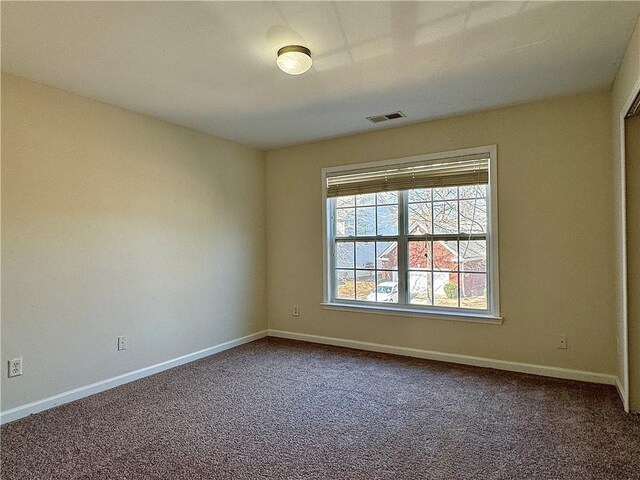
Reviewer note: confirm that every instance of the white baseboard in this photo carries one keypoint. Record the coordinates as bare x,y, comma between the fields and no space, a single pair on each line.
520,367
623,395
81,392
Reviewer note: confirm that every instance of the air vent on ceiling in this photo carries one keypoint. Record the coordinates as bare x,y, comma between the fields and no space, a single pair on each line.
386,117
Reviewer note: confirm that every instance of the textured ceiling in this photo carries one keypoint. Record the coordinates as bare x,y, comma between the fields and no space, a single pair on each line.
211,65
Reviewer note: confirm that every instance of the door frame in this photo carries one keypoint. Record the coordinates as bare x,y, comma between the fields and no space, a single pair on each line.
623,213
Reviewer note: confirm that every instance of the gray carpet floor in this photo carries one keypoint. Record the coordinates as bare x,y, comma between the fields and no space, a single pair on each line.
278,409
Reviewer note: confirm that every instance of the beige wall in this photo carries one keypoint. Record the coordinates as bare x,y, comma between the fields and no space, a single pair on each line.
114,223
624,88
557,252
633,255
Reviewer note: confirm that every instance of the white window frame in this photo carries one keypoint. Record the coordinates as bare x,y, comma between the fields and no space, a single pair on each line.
491,315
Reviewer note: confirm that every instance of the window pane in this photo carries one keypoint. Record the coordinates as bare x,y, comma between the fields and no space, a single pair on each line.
348,201
419,221
445,289
473,191
344,255
445,255
387,287
473,256
445,193
445,217
387,255
419,255
346,222
345,286
366,221
420,195
366,285
388,220
386,198
473,293
420,288
473,216
366,199
365,255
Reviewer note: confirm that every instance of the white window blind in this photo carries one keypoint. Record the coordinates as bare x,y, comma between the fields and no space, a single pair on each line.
452,172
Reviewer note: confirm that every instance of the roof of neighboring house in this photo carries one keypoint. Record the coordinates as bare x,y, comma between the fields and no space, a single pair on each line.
471,250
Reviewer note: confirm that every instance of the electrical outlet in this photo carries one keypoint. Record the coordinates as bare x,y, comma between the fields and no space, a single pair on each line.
561,341
122,342
296,312
15,367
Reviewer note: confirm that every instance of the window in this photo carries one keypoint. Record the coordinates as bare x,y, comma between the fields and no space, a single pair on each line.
415,235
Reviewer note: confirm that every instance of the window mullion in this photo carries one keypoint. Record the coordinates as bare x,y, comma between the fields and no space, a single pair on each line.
403,211
430,245
332,250
459,292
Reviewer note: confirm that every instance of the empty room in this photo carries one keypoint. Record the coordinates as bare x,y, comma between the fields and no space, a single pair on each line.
320,240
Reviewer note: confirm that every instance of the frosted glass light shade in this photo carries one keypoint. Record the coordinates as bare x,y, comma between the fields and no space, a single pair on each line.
294,59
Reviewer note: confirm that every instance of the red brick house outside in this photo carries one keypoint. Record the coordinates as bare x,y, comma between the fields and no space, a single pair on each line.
445,257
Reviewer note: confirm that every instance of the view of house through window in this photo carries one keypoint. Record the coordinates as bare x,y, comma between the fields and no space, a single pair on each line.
367,268
418,247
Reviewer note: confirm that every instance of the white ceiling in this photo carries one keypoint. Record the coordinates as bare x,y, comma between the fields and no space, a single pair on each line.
211,65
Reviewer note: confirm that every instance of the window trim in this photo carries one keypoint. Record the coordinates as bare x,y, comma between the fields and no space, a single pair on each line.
491,315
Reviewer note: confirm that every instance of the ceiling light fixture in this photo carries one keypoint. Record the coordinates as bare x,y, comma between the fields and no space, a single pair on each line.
294,59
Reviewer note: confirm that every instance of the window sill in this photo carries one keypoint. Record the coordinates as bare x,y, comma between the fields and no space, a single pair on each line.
414,312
